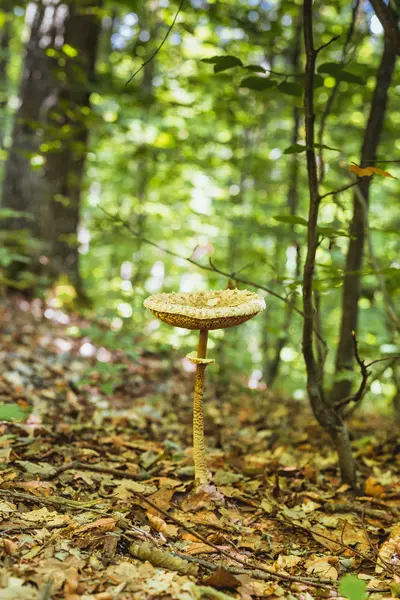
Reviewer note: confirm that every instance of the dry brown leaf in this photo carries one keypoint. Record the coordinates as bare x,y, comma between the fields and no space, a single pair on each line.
373,488
389,554
162,498
105,523
161,526
287,561
221,578
321,567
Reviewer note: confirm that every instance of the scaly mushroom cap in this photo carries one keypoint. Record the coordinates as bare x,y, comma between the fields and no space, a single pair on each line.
205,310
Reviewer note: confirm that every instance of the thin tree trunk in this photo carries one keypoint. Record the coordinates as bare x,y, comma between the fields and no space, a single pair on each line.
354,259
330,419
44,170
271,368
5,37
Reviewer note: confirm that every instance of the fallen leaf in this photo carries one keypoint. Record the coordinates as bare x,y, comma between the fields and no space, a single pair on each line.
221,578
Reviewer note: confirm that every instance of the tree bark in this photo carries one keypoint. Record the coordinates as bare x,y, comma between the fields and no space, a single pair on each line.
389,23
354,259
325,413
44,170
5,37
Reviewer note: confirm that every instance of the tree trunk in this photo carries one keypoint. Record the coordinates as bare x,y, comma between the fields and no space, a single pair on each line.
44,170
325,413
354,260
271,368
5,36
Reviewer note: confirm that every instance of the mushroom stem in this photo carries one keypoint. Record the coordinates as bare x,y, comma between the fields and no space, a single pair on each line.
199,450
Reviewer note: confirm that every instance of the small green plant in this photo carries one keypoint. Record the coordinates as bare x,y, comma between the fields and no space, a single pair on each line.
12,412
353,588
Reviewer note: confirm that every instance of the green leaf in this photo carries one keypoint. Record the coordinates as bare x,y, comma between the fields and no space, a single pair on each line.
254,68
337,71
295,149
330,68
258,83
326,147
295,220
331,231
221,63
290,88
107,388
318,80
11,412
351,78
353,588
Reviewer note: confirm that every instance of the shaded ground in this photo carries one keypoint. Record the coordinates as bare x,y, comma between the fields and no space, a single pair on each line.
75,476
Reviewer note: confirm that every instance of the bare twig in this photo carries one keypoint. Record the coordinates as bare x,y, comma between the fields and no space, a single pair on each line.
364,377
378,360
325,413
50,501
96,469
331,100
318,50
342,189
212,268
247,564
157,50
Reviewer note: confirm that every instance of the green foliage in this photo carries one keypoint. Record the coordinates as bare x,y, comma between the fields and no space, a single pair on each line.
12,412
222,63
202,165
339,73
353,588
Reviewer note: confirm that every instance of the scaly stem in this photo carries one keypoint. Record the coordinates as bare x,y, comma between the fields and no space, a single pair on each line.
199,451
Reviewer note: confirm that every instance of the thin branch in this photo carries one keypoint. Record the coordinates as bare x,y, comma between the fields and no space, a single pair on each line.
313,375
342,189
318,50
331,100
201,538
212,268
378,360
364,377
157,50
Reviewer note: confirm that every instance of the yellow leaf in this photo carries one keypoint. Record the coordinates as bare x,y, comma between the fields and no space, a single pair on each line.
369,171
380,172
359,171
373,488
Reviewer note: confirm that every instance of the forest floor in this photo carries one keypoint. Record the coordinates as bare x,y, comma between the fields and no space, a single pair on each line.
96,484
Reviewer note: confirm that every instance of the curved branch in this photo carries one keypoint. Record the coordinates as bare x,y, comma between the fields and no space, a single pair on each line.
157,50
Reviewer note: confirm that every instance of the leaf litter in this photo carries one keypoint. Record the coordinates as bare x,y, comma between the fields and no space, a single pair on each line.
96,484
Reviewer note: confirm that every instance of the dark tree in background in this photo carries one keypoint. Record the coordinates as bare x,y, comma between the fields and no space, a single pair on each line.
44,170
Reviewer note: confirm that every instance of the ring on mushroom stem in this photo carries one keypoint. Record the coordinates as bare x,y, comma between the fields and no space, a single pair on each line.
204,311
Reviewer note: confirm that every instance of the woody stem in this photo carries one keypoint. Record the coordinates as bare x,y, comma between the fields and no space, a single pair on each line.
199,451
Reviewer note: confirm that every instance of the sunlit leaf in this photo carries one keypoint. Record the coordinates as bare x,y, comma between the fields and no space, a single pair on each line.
11,412
369,171
293,219
353,588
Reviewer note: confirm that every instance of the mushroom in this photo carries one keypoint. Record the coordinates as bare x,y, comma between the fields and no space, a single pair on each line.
205,311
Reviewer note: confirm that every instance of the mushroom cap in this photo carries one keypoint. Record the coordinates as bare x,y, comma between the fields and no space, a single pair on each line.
215,309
